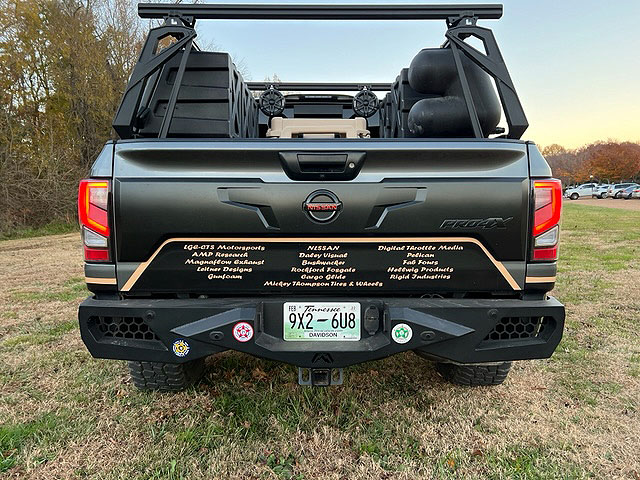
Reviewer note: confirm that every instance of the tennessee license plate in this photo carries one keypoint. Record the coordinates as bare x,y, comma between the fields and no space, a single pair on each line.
321,322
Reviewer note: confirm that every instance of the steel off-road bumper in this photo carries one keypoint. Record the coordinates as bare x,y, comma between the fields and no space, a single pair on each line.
460,330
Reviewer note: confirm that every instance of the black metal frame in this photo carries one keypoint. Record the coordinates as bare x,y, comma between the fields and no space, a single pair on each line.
324,87
492,63
180,21
146,73
213,11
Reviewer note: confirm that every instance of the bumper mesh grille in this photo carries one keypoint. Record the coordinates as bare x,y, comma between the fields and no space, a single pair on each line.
517,328
133,328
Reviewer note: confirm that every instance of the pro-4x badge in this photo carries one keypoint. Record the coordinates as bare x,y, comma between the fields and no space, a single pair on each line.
484,223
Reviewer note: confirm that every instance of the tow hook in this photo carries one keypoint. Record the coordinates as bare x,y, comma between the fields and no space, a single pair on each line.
320,377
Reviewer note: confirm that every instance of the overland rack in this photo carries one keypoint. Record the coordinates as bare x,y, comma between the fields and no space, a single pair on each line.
179,22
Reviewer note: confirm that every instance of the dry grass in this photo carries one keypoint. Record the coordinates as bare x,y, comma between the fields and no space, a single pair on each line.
66,415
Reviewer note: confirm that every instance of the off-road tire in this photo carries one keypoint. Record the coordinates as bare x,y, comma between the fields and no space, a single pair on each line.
165,377
474,375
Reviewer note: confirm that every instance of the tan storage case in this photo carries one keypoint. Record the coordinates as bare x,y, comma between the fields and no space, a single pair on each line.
318,128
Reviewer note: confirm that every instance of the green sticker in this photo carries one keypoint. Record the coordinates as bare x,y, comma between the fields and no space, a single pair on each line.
401,333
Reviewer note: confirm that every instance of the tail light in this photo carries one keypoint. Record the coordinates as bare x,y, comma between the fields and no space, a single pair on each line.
547,196
93,213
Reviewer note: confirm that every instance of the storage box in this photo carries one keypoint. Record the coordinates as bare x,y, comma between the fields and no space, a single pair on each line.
318,128
213,100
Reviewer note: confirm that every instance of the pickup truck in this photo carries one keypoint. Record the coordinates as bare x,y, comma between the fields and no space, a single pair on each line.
321,225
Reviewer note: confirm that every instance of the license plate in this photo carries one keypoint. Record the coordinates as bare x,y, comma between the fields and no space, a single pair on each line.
321,322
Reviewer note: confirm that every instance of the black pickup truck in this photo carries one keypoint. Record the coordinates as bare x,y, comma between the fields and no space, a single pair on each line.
322,225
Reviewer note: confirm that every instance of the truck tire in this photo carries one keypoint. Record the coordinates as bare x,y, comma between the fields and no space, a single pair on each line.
165,377
474,375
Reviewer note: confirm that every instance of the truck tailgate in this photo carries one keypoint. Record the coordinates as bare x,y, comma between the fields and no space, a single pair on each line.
223,217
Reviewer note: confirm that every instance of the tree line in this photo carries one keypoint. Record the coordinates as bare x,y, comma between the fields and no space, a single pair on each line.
605,162
63,67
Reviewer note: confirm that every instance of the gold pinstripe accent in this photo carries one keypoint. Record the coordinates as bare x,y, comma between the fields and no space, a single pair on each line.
540,279
499,265
101,281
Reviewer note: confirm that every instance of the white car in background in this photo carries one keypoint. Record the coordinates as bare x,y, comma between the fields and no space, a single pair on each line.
615,191
584,190
636,192
601,191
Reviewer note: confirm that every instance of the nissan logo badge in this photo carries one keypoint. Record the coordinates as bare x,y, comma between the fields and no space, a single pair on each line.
322,206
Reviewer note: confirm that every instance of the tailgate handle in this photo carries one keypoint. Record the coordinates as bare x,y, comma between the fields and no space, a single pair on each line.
322,165
322,162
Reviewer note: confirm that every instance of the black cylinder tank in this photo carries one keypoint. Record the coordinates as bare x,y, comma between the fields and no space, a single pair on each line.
433,72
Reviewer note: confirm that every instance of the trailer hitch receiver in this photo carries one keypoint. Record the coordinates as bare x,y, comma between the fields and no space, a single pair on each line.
320,377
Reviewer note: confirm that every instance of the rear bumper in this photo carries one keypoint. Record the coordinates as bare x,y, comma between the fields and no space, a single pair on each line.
456,330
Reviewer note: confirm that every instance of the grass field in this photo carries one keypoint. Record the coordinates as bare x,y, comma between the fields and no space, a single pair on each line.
576,415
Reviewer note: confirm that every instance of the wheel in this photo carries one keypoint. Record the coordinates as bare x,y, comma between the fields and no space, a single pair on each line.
603,195
165,377
574,196
617,195
474,375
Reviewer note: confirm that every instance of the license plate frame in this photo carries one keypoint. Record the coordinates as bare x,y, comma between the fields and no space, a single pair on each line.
321,322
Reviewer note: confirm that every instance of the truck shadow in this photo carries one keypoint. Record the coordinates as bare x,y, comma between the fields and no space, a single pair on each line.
405,377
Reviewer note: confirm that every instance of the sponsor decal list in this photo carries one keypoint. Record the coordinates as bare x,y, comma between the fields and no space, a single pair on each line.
282,265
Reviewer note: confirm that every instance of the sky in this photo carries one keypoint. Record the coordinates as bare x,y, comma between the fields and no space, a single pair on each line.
575,64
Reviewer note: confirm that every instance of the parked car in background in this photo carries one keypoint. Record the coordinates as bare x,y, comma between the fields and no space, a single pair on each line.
628,192
636,192
616,190
584,190
600,191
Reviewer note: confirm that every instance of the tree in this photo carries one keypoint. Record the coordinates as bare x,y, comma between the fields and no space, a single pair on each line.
600,161
554,150
63,66
612,161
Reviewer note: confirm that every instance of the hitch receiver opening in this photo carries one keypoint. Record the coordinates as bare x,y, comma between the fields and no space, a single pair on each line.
320,377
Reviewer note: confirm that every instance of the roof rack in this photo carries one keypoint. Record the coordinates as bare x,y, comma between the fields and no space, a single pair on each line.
213,11
179,22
